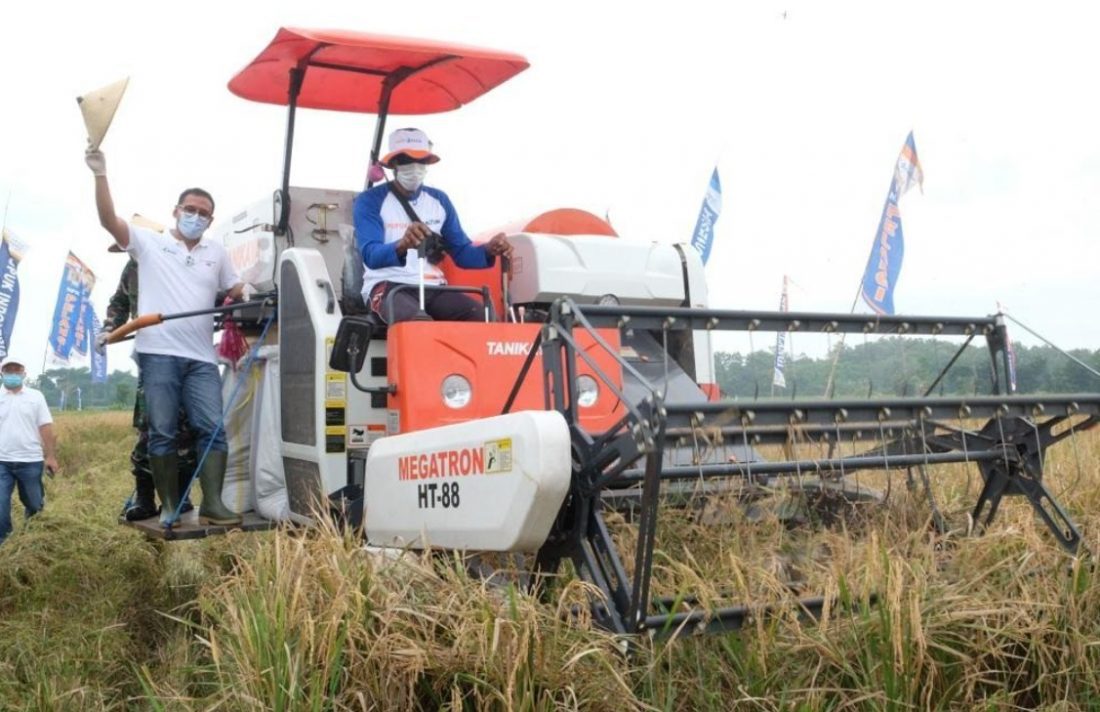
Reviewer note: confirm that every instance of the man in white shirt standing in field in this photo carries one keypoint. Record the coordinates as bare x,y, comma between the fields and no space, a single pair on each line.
179,271
27,444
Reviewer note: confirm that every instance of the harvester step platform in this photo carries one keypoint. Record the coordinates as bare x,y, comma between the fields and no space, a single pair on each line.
188,526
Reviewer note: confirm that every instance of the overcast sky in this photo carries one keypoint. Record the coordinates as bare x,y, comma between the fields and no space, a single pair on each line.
803,106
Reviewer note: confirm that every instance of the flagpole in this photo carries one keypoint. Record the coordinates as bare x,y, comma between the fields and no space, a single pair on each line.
7,204
840,345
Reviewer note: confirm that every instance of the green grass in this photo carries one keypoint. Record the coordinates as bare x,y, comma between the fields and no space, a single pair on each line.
94,617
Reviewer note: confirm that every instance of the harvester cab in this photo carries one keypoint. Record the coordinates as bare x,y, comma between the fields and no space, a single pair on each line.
589,387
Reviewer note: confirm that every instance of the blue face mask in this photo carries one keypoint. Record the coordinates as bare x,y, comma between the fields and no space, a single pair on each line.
192,226
13,380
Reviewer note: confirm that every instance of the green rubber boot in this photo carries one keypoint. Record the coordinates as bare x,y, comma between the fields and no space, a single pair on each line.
212,510
165,469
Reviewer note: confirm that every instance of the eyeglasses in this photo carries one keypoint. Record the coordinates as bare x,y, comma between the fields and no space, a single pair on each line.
192,210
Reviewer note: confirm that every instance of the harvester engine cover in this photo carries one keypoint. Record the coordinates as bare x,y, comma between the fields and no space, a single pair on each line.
591,268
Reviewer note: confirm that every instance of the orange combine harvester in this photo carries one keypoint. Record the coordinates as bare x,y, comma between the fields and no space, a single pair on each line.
590,385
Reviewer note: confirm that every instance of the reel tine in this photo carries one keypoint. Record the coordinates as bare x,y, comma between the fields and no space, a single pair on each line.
799,433
748,463
839,448
910,483
1076,458
1038,446
966,450
885,461
937,518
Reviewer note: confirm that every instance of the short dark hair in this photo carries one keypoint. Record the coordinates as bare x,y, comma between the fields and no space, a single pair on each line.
199,192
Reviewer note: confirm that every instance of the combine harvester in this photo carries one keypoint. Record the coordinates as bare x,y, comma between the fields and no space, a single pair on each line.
522,435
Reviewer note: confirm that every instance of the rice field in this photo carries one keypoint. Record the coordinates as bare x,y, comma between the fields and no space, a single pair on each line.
93,617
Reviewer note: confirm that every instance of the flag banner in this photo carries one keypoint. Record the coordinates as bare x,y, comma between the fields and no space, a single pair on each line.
75,289
11,251
884,265
703,237
778,379
99,361
80,338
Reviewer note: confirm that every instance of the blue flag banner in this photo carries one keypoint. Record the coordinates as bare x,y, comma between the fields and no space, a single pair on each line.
778,379
703,237
884,265
68,331
80,337
99,361
11,251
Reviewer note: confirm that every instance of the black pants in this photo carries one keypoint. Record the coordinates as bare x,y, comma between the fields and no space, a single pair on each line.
440,306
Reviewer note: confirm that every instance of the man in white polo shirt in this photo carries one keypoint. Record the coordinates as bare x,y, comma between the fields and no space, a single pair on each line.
27,444
179,272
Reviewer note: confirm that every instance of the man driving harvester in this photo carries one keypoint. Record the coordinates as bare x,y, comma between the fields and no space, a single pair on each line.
179,271
403,215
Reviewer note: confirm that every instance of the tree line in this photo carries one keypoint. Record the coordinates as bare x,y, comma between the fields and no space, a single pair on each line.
72,389
904,367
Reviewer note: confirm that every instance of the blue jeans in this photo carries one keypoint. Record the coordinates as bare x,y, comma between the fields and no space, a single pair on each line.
171,381
28,477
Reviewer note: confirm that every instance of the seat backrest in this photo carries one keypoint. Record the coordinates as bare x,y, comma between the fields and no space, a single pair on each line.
351,275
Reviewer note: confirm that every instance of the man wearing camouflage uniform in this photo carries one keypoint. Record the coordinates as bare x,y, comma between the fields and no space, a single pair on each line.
123,307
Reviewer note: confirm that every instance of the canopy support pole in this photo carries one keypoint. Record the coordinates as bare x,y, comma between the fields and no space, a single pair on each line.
297,74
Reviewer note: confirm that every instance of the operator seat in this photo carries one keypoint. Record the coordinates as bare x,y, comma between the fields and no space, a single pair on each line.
351,299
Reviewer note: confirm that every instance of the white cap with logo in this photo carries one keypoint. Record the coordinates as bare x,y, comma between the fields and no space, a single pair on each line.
413,143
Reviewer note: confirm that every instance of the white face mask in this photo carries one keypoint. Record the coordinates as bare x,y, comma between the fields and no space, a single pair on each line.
410,176
192,225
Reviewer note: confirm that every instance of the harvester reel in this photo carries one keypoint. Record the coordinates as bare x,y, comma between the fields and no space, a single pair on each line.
1020,473
668,449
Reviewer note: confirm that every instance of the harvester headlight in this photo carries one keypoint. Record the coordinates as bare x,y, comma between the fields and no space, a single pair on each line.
588,391
456,391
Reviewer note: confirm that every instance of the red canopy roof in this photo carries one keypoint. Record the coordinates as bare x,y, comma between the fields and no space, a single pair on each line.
345,71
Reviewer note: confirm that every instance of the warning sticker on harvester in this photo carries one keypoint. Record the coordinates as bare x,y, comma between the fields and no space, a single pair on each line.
334,439
364,435
498,456
336,387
